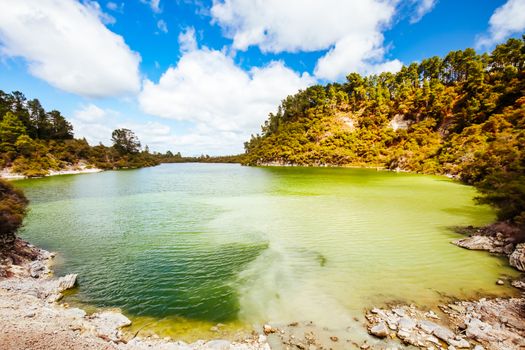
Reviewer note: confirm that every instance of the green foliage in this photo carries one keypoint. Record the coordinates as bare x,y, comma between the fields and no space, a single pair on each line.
462,115
125,141
11,128
33,141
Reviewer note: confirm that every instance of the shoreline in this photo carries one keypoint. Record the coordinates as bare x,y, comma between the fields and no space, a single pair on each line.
30,312
31,316
6,174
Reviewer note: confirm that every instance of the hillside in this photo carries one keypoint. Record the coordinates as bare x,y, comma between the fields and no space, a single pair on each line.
34,142
461,115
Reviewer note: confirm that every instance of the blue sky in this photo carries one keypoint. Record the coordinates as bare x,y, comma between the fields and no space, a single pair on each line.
202,76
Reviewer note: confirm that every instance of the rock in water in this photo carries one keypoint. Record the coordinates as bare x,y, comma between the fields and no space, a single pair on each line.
379,330
475,243
268,329
66,282
517,258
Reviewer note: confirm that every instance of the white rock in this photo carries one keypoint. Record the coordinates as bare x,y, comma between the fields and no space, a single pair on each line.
443,333
428,326
517,258
476,243
379,330
407,324
218,345
461,343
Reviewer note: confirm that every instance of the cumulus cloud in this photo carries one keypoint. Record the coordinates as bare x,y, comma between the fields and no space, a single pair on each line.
225,103
351,30
93,123
355,53
422,8
507,20
96,125
66,44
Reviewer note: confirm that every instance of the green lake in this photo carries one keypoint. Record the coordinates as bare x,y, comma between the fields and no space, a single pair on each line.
181,247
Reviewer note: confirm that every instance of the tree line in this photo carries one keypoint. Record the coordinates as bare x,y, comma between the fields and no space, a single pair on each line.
34,141
461,115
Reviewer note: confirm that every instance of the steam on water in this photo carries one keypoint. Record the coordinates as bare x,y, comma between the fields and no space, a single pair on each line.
196,244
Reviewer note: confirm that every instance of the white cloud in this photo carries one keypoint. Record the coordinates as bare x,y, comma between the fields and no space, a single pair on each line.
93,123
225,103
65,43
187,41
352,30
163,27
97,124
507,20
115,7
423,7
154,4
355,54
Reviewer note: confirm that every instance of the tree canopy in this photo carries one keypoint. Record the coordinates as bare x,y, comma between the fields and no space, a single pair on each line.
461,115
34,141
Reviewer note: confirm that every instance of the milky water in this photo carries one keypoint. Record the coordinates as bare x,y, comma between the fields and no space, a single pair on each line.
181,247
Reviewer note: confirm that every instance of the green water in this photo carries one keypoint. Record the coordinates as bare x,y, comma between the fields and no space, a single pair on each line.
181,247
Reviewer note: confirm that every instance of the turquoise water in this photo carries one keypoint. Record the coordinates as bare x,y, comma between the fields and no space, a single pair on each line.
181,247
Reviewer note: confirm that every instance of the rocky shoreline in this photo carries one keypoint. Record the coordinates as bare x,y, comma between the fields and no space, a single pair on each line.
497,324
31,318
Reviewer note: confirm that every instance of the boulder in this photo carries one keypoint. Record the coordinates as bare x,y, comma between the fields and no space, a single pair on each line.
379,330
66,282
428,326
38,269
517,258
108,323
443,333
268,329
476,243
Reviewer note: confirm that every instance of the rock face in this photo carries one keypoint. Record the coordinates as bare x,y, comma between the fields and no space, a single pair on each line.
517,258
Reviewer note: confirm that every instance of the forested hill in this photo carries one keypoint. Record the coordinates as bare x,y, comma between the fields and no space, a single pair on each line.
34,141
463,115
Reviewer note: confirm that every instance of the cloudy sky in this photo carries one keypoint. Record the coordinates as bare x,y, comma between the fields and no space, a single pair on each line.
201,76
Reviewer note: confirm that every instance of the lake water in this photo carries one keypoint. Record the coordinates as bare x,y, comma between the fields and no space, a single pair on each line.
181,247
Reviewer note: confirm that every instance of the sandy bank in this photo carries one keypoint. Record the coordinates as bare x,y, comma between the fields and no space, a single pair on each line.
9,175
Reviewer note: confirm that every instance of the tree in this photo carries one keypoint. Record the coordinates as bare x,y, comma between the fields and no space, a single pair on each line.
61,129
125,141
11,128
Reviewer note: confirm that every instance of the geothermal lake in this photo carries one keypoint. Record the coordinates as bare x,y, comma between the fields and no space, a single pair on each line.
181,247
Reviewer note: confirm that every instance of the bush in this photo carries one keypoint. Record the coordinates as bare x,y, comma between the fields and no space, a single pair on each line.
13,206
